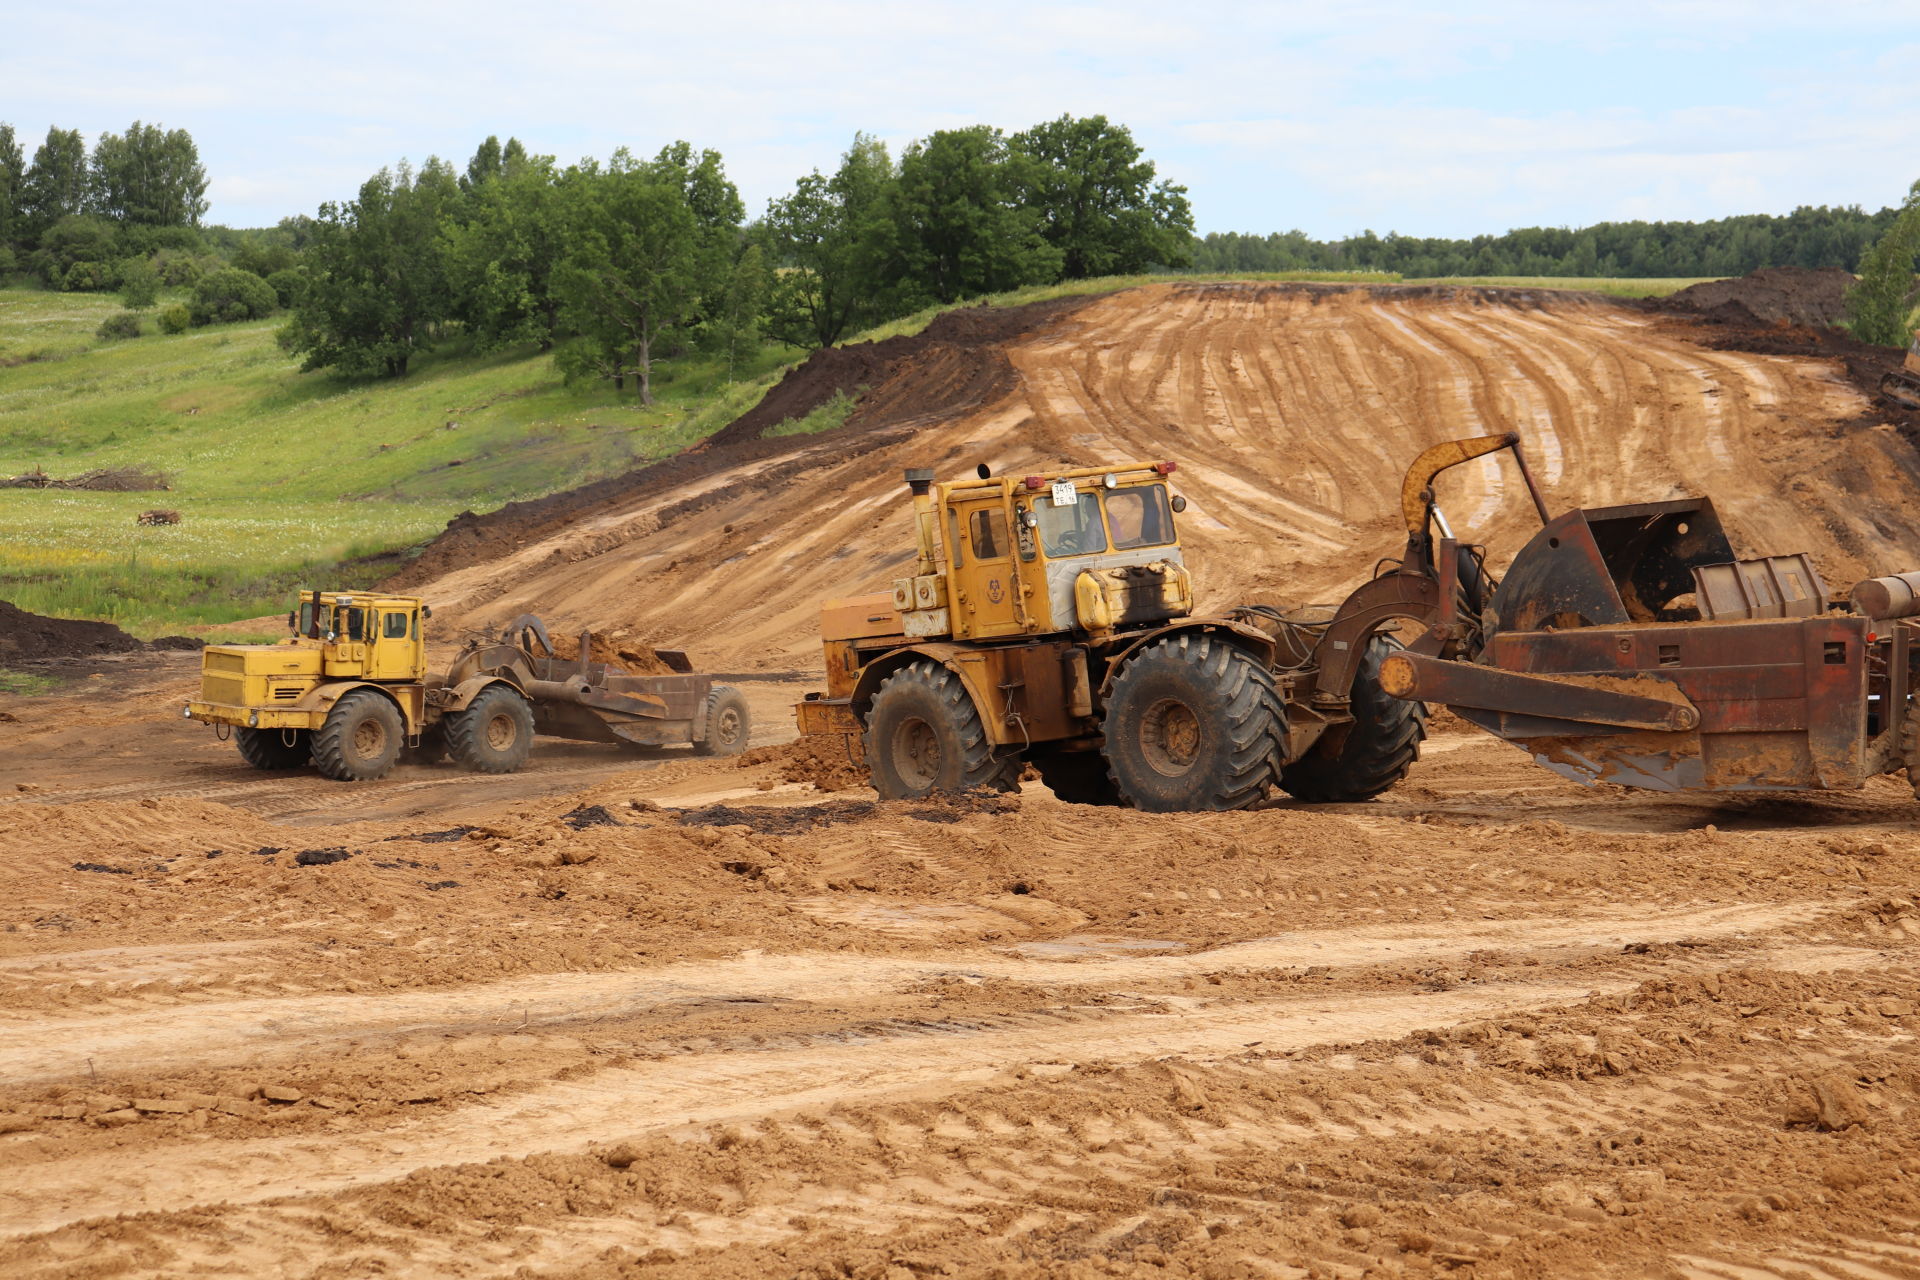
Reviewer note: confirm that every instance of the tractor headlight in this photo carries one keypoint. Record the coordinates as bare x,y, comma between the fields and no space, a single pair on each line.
253,718
186,713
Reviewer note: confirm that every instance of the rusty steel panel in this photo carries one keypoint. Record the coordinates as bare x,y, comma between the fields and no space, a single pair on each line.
1590,703
1782,703
1770,587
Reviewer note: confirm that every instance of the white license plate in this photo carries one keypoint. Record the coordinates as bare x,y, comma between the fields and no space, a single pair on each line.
1063,493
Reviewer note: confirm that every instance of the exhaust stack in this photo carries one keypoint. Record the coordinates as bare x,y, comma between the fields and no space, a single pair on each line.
920,483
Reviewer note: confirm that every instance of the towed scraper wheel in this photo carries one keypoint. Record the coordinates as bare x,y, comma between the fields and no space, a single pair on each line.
1381,744
727,724
269,748
494,734
924,735
1193,724
360,739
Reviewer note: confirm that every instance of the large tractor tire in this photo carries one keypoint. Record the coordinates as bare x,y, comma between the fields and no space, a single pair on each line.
1381,744
1077,777
924,735
360,738
1193,724
726,724
269,749
494,734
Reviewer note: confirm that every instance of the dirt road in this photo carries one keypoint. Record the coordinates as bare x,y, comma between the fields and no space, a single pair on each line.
621,1017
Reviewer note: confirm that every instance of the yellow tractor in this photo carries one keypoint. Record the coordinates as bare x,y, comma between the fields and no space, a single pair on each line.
1902,386
1050,621
350,691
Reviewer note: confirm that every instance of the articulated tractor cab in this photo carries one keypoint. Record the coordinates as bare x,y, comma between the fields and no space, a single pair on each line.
348,688
1050,620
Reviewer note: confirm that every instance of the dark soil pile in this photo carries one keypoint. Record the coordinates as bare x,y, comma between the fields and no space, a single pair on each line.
954,365
1769,296
1791,311
26,635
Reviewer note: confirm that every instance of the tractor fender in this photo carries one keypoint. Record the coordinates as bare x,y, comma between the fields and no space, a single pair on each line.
409,699
461,696
965,661
1251,639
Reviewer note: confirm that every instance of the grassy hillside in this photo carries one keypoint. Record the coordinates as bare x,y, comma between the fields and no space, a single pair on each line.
278,473
279,476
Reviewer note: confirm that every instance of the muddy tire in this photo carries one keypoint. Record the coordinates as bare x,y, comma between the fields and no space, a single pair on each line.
494,734
1380,746
268,749
431,749
360,738
726,723
924,735
1077,777
1193,724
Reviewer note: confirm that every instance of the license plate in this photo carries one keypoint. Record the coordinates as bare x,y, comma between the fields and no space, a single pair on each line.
1063,493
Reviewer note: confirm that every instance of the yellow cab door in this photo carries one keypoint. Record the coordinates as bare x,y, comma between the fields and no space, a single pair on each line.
394,651
986,591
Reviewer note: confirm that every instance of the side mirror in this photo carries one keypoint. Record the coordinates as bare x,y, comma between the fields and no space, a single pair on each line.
984,471
292,619
426,611
1179,502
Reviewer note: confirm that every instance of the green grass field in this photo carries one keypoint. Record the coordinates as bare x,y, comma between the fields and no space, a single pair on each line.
281,476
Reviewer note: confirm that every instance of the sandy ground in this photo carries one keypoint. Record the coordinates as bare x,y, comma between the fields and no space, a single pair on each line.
628,1016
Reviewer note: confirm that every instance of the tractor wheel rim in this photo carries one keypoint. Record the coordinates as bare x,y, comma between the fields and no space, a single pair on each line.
369,739
916,753
729,727
1170,737
500,731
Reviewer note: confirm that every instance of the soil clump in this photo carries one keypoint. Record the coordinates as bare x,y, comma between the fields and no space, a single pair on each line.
1769,296
26,636
631,657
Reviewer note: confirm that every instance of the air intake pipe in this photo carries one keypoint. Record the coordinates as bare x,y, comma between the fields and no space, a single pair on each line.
920,483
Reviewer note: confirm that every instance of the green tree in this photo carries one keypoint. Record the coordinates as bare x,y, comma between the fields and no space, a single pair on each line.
376,290
13,175
823,238
502,259
229,294
958,226
148,177
55,185
1098,202
1880,301
632,281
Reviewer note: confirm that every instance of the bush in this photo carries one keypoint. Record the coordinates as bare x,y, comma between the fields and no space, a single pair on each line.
125,324
231,294
84,277
139,286
288,284
8,263
176,269
175,318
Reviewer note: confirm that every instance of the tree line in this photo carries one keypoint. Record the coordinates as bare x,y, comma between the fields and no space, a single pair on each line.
1810,236
613,265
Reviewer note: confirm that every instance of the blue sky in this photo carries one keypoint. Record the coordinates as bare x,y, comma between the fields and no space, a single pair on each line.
1429,119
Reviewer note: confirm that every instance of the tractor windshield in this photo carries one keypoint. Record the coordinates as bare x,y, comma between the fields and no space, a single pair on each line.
1073,530
1139,517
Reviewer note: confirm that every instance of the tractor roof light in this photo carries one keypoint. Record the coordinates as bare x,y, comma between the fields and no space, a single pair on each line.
1166,468
1110,480
1034,482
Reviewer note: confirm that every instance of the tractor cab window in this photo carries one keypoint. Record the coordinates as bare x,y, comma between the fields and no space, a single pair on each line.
1139,517
987,529
306,618
953,538
393,626
1072,530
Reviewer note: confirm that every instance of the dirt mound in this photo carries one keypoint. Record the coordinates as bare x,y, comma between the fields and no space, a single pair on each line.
633,658
821,763
1771,295
955,365
26,635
